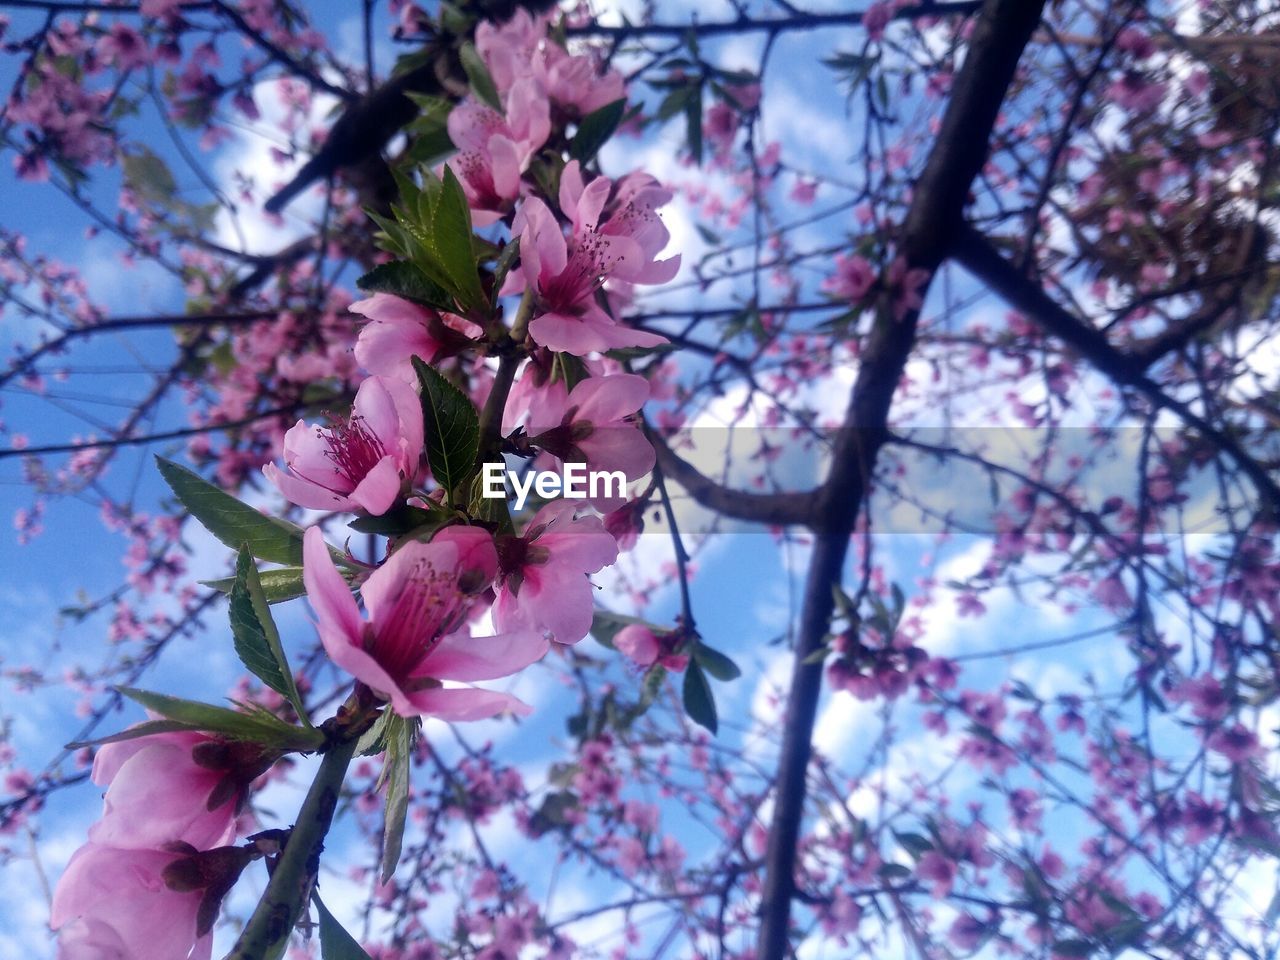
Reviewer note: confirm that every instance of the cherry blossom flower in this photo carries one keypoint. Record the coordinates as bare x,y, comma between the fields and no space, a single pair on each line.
169,787
363,463
853,278
645,648
399,330
111,904
416,634
543,578
494,150
617,243
591,424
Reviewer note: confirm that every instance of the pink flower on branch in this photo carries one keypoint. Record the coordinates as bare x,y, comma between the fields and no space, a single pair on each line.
399,329
363,463
112,903
543,578
616,235
416,634
494,150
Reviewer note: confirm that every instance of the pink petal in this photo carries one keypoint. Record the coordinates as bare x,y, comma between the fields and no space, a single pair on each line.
327,591
619,447
465,703
380,487
304,493
461,656
476,552
602,400
383,587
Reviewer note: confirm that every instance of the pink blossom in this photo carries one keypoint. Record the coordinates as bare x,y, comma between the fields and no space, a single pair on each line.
111,904
906,285
159,792
876,18
853,279
592,424
363,463
494,150
543,580
1237,743
939,871
639,643
399,329
616,235
416,633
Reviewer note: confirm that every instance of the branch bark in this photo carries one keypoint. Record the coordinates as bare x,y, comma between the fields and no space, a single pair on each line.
1002,31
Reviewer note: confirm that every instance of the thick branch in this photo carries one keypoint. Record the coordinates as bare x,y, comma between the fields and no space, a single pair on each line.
1002,31
780,509
980,257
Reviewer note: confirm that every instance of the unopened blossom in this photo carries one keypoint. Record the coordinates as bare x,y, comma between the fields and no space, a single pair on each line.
400,329
416,634
616,234
645,648
543,583
364,462
494,148
113,904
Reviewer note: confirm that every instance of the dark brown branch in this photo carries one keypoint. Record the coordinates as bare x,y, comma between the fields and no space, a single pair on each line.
1002,31
980,257
780,509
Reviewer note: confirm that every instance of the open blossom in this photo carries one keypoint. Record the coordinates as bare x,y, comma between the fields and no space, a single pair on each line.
113,904
543,576
171,787
400,329
520,49
494,150
416,634
592,424
610,240
361,463
853,278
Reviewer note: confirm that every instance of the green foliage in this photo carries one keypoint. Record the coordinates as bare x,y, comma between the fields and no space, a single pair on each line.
595,130
277,585
257,640
452,428
699,701
398,738
335,942
403,279
252,724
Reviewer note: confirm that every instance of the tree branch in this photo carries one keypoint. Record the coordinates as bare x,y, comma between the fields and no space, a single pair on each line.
1002,31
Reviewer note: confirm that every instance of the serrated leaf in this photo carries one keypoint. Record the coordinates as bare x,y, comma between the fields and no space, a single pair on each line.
403,279
277,585
145,729
715,662
233,522
438,221
371,741
335,942
478,76
595,129
699,702
399,744
258,726
257,641
452,428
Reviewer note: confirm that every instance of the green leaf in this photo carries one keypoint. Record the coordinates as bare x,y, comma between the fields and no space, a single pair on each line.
434,230
405,280
478,75
257,726
395,772
699,702
145,729
231,521
595,130
257,640
372,741
148,176
452,428
914,843
715,662
277,585
335,942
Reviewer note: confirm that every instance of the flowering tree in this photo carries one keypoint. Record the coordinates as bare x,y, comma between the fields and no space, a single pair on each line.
958,345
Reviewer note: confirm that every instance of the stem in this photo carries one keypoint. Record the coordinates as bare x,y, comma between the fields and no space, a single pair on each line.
495,406
266,935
